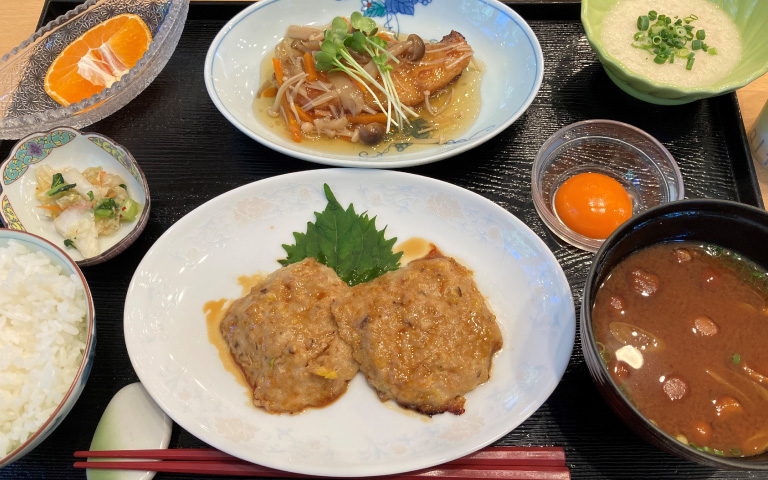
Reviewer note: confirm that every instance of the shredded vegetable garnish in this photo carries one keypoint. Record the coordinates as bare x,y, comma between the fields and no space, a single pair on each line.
667,38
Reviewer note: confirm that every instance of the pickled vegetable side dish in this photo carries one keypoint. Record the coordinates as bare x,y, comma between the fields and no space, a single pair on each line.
84,205
682,328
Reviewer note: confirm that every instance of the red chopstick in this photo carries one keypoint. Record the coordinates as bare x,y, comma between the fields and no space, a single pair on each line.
501,463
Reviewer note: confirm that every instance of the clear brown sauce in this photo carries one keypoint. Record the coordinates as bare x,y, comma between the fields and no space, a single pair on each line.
684,335
214,311
454,120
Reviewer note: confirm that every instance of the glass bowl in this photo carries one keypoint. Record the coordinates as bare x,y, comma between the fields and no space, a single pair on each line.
33,243
25,107
750,17
625,153
731,225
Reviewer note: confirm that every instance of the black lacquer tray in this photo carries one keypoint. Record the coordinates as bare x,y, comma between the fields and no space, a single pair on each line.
191,154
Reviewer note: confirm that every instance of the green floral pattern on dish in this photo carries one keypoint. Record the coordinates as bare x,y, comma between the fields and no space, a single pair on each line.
33,151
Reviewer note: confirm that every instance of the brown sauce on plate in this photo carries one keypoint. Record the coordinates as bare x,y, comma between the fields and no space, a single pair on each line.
684,329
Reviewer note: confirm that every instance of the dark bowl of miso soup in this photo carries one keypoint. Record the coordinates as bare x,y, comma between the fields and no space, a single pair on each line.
674,329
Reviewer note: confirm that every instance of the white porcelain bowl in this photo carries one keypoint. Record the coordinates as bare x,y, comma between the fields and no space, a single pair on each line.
68,267
66,147
499,37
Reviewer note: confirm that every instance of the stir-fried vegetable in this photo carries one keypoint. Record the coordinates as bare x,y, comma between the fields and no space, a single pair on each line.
350,80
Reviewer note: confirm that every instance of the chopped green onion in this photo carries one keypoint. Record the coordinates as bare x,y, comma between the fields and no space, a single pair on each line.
69,243
712,51
667,37
736,359
124,186
90,194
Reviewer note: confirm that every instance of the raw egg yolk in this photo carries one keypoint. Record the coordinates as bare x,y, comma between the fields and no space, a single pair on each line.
592,204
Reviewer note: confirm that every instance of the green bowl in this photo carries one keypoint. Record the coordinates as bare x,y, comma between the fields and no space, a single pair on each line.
751,18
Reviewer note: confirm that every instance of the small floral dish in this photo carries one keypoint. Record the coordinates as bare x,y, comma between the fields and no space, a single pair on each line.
26,107
749,16
44,294
67,150
502,42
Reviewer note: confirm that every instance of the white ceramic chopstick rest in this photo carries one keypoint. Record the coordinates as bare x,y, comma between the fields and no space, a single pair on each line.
132,420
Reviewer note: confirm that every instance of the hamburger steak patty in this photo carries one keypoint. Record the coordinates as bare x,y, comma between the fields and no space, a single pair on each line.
423,334
283,338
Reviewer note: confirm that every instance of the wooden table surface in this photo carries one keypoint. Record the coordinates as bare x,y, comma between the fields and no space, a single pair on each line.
19,19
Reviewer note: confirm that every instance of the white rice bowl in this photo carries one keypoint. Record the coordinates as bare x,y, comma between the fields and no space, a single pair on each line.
45,312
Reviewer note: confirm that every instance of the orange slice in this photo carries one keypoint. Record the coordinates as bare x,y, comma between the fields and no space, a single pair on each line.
97,59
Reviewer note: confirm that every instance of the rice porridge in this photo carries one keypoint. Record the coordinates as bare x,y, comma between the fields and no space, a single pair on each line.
620,26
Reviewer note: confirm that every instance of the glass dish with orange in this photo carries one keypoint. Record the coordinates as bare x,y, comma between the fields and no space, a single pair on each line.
590,177
87,64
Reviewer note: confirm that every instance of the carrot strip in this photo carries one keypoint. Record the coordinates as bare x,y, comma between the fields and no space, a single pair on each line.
269,92
359,84
101,177
53,208
304,116
293,126
309,66
368,118
278,71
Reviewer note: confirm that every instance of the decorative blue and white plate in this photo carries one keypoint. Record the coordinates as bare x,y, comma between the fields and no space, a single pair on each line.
500,38
241,233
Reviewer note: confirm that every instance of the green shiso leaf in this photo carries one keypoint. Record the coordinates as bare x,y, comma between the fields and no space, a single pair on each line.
347,242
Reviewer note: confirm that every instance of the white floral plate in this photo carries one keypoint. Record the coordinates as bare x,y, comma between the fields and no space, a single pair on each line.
241,232
499,37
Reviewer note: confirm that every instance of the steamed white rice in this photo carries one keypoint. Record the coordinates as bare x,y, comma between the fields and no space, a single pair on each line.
42,340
